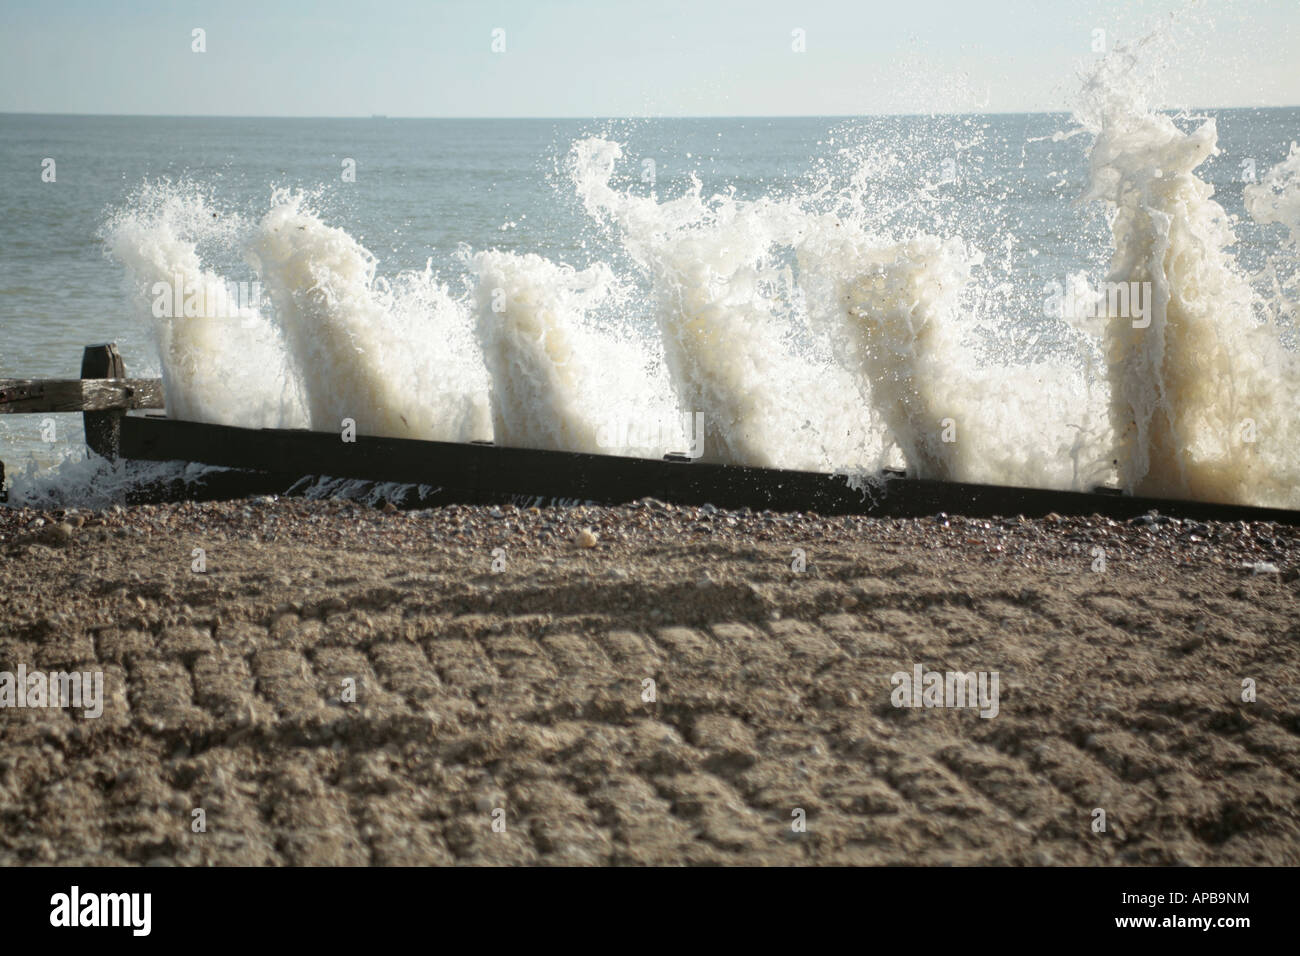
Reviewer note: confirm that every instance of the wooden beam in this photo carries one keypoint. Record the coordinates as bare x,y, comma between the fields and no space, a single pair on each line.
472,472
103,429
23,396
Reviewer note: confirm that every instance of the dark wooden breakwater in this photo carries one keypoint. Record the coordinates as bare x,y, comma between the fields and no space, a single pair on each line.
274,460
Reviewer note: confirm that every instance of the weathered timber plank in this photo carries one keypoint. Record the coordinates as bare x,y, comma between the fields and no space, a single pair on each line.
103,429
22,396
483,470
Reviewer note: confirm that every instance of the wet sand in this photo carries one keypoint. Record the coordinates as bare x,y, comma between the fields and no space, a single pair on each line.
516,696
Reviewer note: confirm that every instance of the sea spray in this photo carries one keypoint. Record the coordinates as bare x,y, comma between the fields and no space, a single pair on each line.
528,309
716,275
1202,395
903,315
892,307
360,355
321,282
559,379
1275,199
335,341
219,359
92,482
813,340
829,328
722,344
958,346
441,364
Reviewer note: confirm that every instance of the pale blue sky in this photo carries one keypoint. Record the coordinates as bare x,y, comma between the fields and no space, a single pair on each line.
615,58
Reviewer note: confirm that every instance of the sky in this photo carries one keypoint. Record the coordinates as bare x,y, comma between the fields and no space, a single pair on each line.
585,58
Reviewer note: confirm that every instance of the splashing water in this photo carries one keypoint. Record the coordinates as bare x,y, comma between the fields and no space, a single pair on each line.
824,328
814,340
530,328
1203,395
220,362
362,354
893,306
716,280
338,342
1276,200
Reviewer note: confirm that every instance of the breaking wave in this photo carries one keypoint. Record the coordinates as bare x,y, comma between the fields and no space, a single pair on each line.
807,331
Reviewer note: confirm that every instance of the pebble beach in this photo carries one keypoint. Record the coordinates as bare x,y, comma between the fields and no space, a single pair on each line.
336,683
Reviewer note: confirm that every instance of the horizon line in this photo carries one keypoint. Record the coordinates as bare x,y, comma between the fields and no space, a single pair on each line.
694,116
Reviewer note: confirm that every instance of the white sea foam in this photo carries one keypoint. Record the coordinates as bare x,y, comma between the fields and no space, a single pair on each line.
88,481
815,340
558,380
1276,198
724,307
338,340
391,357
1203,398
218,364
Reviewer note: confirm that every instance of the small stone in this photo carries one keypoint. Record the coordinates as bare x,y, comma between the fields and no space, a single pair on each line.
586,538
56,535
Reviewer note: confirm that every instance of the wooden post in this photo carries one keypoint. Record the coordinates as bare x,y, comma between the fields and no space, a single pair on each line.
103,429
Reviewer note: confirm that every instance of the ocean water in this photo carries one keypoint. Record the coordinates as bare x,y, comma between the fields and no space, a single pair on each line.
837,294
